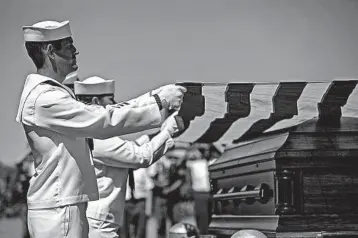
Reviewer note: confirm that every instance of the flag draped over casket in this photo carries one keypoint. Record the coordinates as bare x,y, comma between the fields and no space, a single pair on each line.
235,112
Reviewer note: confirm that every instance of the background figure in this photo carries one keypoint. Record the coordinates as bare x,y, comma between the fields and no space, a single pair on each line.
183,230
179,192
135,218
156,203
248,234
188,192
24,180
199,175
15,193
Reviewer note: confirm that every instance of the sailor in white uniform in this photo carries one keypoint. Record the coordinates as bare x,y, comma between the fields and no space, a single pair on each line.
249,234
56,126
114,157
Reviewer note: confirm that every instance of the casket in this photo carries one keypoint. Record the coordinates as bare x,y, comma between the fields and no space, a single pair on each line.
290,165
289,168
301,180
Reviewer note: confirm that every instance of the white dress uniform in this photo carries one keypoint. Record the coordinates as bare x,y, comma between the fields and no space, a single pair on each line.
113,158
56,126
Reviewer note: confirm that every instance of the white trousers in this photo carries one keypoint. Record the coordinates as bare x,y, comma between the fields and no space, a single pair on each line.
62,222
102,229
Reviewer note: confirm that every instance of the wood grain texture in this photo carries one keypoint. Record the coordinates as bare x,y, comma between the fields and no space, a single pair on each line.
330,191
323,161
287,226
318,222
316,234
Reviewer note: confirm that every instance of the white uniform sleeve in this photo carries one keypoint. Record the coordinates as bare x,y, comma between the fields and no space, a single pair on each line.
58,111
142,140
143,100
116,152
160,151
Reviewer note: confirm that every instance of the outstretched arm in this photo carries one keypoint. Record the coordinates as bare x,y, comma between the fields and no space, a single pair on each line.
136,154
57,111
116,152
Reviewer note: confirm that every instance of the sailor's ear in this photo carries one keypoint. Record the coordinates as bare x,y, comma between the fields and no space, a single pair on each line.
95,101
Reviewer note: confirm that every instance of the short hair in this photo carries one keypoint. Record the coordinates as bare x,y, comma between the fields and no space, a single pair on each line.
34,50
87,99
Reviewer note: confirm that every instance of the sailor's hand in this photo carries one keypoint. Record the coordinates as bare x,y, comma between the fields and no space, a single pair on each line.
171,96
173,124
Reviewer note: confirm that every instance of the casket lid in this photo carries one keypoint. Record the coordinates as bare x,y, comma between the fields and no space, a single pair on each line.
300,140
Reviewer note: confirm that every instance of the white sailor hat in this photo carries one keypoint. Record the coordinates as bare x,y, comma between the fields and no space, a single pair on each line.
47,31
94,86
248,234
181,230
71,78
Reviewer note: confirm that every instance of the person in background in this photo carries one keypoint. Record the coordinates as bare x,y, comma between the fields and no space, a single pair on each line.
183,230
189,190
57,126
158,222
179,192
135,216
24,179
115,159
248,234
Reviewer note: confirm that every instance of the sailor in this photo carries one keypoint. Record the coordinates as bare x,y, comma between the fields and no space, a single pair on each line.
248,234
183,230
114,157
56,127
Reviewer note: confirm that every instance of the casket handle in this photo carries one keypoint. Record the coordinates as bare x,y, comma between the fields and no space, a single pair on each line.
260,192
285,197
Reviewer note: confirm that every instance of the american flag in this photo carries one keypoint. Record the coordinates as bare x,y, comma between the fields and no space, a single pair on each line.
234,112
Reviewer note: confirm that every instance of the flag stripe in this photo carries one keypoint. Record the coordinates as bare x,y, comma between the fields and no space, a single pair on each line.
351,108
261,107
329,107
238,106
284,107
226,113
215,107
306,104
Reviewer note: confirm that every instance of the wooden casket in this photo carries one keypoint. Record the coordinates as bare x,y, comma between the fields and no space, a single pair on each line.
297,183
290,167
